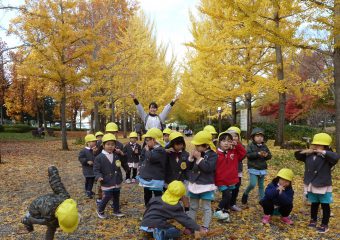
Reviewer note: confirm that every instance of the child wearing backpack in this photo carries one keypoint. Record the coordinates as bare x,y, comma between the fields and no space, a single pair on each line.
319,161
230,153
279,193
132,151
258,154
202,176
86,158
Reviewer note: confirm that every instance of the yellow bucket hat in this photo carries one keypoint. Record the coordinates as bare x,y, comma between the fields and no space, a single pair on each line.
204,137
67,215
156,134
173,194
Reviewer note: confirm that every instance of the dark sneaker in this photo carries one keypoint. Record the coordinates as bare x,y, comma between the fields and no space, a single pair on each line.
101,215
312,224
244,199
322,229
29,227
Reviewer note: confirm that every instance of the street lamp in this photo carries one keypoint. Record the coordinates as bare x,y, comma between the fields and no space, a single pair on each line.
219,111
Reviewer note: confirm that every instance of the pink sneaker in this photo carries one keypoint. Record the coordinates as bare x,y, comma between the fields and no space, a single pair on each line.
287,220
266,219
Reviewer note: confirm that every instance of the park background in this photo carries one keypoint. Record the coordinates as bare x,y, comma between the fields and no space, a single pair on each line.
271,64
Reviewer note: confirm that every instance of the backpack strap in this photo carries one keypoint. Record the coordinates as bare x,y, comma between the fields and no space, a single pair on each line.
147,117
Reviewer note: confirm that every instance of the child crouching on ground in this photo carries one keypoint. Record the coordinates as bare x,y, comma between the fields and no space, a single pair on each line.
319,161
279,193
162,209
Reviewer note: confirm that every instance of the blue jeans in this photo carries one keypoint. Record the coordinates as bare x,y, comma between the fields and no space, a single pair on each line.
253,180
162,234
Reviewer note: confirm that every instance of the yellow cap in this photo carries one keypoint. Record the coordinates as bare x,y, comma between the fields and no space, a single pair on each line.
133,135
286,173
203,137
67,215
156,134
90,138
322,139
174,135
210,128
111,127
173,194
99,134
108,137
236,129
167,131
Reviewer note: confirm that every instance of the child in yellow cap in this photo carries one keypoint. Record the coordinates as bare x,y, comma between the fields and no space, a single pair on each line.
202,176
53,210
319,161
86,158
162,209
107,170
279,193
132,151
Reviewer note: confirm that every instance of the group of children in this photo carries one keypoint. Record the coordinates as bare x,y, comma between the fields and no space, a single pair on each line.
181,181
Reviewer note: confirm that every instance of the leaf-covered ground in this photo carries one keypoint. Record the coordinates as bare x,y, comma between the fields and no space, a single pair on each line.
24,177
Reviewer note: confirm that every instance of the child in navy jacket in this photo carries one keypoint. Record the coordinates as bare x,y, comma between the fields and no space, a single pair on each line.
279,193
86,158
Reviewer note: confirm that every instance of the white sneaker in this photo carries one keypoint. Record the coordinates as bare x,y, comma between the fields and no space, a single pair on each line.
128,181
235,208
220,215
133,180
101,215
118,214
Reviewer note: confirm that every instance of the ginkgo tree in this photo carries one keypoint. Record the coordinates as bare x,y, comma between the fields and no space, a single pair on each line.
55,39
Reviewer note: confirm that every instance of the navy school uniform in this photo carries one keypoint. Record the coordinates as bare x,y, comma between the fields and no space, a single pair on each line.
86,155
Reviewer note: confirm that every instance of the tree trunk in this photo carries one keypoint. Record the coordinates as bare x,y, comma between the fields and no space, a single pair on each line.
112,110
124,119
74,119
336,60
282,96
43,115
91,122
249,114
233,112
1,115
63,118
96,116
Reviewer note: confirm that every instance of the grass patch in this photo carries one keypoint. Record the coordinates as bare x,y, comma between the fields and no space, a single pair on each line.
12,136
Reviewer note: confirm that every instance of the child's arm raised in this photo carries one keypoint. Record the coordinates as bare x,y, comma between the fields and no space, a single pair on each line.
301,155
252,153
331,157
207,164
241,151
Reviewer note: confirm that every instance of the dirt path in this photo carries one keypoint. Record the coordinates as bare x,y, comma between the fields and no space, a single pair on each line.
24,177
